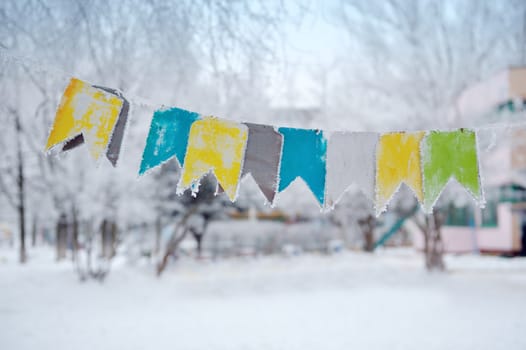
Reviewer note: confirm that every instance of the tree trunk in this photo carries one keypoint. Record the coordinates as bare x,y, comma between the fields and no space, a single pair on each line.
22,228
114,242
199,241
75,233
170,250
158,229
174,240
434,247
198,236
89,248
109,238
21,193
367,226
61,237
34,229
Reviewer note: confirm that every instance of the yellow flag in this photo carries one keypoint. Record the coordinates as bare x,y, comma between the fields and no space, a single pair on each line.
397,161
215,145
85,110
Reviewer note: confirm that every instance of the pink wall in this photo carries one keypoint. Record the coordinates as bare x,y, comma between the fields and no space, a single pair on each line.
460,239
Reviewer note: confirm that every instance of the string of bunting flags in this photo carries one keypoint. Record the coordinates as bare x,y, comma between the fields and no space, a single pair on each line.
329,163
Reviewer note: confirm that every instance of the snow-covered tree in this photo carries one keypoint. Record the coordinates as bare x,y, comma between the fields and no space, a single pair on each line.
202,56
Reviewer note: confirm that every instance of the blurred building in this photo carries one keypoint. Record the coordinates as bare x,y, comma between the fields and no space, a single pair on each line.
501,226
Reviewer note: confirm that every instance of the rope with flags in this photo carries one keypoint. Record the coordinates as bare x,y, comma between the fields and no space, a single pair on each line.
275,156
329,163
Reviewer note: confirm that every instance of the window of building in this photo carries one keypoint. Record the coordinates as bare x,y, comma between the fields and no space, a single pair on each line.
489,215
459,216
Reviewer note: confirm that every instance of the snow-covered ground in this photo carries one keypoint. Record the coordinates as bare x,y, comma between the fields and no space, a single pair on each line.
345,301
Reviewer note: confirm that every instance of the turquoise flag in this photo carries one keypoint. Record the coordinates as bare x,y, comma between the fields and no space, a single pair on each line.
168,137
304,155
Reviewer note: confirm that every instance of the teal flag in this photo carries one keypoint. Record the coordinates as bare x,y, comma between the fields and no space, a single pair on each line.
304,155
446,155
168,137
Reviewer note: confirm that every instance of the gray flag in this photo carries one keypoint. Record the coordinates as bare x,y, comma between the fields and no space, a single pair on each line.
262,158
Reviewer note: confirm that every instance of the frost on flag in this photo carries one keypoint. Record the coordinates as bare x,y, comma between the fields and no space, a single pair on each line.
168,137
397,162
262,158
350,161
304,155
450,155
217,146
91,114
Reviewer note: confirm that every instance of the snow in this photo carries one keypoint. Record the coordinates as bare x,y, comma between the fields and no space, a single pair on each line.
343,301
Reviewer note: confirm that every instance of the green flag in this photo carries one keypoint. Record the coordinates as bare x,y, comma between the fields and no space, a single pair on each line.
446,155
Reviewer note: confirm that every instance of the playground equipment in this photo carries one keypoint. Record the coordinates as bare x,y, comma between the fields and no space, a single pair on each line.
394,229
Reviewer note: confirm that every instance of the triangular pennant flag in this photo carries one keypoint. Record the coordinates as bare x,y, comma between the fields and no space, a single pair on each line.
215,145
397,162
93,115
446,155
262,158
303,155
168,137
350,160
114,148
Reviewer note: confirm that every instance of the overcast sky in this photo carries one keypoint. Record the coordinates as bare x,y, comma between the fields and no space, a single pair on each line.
309,46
